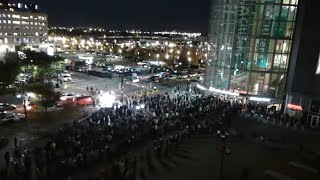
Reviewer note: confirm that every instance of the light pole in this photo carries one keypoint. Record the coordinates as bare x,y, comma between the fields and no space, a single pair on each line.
223,149
158,56
188,82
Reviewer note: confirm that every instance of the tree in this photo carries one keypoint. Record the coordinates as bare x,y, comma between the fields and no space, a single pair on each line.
9,69
45,92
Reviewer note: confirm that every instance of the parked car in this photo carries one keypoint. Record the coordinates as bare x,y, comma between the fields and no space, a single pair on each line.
54,108
84,100
4,141
7,107
11,117
172,77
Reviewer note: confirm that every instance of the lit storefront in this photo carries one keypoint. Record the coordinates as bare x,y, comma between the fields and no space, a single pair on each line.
251,43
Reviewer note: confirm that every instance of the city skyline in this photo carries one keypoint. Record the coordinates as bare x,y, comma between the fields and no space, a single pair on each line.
167,15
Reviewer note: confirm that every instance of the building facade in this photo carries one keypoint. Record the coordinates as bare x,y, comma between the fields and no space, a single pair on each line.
21,24
251,44
303,82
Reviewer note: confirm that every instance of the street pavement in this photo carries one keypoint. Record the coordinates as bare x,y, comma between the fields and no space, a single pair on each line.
272,160
81,81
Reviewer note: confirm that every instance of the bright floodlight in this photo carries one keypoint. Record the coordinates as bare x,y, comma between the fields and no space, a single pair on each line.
106,99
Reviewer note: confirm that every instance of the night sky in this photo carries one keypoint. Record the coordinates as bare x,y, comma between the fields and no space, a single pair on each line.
187,15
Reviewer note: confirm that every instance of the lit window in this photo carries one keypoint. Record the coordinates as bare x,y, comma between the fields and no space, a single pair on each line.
9,15
15,34
31,23
24,17
31,17
4,22
9,21
16,16
24,22
35,23
3,15
294,2
37,34
6,40
16,22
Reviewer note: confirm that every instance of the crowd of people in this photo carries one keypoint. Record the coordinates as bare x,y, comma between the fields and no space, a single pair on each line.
112,136
294,119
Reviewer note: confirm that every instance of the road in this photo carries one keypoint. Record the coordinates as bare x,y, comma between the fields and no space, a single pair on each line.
81,81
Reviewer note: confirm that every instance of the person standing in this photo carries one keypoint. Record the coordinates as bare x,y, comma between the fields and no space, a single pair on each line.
15,141
7,159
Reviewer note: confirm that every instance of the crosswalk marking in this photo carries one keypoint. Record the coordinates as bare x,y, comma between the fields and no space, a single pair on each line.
303,166
277,175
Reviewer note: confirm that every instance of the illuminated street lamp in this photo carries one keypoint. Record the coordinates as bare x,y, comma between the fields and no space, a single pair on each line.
120,51
178,52
167,56
188,82
158,56
189,53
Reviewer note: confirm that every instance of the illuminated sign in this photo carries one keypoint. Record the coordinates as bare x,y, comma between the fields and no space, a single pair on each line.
245,18
263,45
259,99
223,92
295,107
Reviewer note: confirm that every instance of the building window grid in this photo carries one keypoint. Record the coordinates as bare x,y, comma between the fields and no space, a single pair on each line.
271,54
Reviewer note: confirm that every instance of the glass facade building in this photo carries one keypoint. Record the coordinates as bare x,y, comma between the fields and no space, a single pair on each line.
250,45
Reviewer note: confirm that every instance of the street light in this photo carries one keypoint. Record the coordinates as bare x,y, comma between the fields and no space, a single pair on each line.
188,82
158,55
189,53
167,56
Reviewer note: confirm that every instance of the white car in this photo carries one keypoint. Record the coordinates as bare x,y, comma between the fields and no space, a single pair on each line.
12,117
66,78
141,63
67,96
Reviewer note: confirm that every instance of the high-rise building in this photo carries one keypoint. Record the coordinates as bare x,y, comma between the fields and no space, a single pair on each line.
21,24
251,43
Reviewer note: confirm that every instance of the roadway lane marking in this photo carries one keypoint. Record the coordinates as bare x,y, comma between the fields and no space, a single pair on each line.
277,175
303,166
